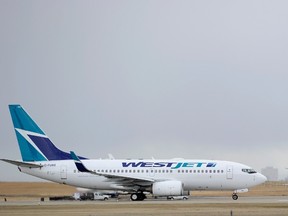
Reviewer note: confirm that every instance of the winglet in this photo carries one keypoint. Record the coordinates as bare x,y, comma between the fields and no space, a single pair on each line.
80,166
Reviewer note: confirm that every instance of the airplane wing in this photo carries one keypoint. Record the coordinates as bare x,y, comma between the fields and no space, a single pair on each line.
120,180
22,164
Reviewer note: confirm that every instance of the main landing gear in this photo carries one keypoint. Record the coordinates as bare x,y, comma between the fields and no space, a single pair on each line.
138,196
234,196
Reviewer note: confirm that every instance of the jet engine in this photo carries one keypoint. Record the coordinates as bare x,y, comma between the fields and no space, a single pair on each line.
167,188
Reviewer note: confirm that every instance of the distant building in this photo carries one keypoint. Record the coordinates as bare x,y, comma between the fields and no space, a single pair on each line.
271,173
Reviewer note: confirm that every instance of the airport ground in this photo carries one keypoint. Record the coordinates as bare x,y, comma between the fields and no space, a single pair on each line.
270,199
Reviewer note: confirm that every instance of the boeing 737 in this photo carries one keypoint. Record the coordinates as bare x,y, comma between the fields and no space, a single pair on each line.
41,158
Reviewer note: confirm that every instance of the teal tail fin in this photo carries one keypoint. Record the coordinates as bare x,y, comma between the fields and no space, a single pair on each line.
33,143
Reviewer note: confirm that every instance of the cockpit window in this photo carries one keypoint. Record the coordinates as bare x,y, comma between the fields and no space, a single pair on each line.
250,171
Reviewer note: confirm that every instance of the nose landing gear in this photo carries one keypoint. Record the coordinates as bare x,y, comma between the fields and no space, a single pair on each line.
234,196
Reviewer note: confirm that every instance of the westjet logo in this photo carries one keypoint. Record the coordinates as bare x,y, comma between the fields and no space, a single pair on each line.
172,165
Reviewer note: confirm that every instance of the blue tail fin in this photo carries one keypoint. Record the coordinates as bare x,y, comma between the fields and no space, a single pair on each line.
33,143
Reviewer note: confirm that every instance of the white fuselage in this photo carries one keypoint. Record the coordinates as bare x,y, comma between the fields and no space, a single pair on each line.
194,174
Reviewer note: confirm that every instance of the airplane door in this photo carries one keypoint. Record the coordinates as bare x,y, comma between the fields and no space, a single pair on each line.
63,172
229,172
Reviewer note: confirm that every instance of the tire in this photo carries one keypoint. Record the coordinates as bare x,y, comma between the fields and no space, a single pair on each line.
234,196
134,197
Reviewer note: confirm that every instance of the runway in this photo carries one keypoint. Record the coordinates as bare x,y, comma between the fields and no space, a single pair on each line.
268,205
269,199
191,200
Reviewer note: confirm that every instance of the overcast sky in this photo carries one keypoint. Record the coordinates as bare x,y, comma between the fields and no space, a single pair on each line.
190,79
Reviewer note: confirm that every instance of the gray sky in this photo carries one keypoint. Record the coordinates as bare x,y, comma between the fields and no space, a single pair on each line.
191,79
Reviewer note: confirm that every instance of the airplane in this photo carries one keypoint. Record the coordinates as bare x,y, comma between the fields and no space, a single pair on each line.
169,177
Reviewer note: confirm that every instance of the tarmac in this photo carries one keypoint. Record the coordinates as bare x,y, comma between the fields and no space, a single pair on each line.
266,205
270,199
126,200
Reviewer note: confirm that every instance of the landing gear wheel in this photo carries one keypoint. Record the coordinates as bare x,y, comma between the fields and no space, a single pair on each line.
138,196
134,197
234,196
141,196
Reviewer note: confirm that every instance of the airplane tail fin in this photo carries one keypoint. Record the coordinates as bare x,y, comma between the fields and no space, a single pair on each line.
33,143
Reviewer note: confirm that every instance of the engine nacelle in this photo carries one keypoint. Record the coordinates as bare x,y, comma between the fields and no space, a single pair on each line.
167,188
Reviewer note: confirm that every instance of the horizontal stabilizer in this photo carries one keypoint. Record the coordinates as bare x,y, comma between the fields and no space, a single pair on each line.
22,164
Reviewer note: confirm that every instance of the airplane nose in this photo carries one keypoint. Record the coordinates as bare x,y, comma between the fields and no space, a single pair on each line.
261,178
